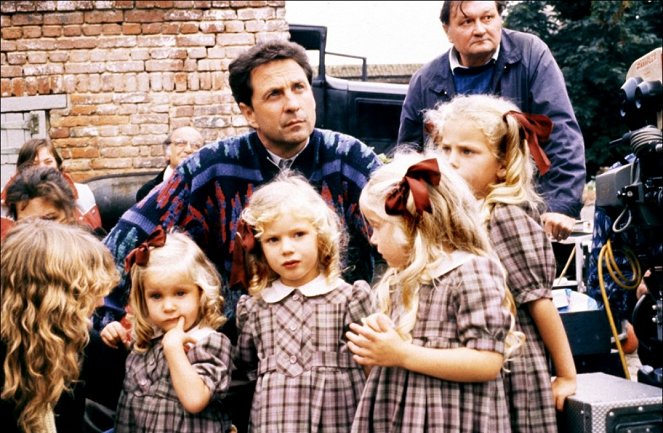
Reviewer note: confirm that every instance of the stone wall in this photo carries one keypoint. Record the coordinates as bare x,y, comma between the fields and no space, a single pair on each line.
131,71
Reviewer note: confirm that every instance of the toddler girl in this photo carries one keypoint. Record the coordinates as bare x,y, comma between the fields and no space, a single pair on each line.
438,343
291,327
488,141
179,368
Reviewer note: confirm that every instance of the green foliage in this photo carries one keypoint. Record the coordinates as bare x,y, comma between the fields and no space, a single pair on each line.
594,43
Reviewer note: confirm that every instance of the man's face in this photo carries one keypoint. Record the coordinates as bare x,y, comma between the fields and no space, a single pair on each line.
283,111
183,142
475,31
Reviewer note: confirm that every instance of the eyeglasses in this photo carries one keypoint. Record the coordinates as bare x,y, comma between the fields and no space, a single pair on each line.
183,143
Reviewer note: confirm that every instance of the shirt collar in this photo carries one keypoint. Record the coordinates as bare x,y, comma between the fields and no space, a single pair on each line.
277,159
168,172
455,63
316,287
449,262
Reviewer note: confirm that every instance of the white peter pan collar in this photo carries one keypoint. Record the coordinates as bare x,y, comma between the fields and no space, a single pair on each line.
316,287
449,263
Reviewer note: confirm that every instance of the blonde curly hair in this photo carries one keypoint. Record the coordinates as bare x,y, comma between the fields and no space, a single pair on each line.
181,257
502,133
292,194
53,276
453,225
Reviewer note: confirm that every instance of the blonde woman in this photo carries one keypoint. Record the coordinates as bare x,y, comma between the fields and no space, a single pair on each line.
53,276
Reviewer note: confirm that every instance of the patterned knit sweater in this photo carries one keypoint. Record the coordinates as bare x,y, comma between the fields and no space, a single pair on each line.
208,191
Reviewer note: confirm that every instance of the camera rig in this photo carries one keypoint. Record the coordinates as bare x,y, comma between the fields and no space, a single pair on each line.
632,196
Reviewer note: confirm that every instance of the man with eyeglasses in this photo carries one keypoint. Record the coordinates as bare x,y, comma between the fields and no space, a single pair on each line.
179,145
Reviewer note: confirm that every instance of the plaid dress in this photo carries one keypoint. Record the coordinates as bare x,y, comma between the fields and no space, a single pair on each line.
306,378
148,402
527,255
461,308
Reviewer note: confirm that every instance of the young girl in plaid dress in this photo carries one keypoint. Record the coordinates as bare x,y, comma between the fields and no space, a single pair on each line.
291,327
438,344
179,368
488,141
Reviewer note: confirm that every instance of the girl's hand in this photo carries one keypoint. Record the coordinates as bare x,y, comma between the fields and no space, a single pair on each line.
376,342
177,338
562,387
114,333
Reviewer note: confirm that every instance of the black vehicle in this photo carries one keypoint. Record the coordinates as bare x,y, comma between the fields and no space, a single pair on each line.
369,111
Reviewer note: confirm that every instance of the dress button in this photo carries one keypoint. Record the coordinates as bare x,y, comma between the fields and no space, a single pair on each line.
295,297
293,327
293,359
142,382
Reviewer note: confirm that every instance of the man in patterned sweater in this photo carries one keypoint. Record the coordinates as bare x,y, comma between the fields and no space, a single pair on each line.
271,83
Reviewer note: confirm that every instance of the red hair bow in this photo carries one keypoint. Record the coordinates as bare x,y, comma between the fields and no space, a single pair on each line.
415,180
534,127
244,243
141,254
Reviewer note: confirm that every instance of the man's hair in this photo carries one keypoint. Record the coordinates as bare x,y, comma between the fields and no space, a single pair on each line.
258,55
447,6
29,150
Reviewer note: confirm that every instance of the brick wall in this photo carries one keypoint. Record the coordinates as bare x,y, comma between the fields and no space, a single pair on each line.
132,71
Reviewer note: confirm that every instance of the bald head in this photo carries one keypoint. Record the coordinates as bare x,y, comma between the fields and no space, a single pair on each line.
183,142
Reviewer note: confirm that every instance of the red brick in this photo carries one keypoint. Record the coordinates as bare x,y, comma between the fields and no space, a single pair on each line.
31,32
91,29
188,28
43,85
5,87
37,57
16,58
31,86
171,28
71,30
85,152
131,28
110,16
11,71
58,57
18,86
152,28
64,18
27,19
144,16
52,31
59,132
202,40
183,15
147,4
12,33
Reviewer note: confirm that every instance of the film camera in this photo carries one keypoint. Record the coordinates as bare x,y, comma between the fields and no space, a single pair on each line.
632,196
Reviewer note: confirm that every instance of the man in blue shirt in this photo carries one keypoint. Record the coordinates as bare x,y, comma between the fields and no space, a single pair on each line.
488,59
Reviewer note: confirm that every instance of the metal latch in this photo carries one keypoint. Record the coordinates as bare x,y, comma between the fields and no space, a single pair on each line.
31,123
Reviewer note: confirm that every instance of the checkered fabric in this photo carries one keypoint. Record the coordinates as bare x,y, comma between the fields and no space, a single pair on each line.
460,309
306,378
525,251
148,402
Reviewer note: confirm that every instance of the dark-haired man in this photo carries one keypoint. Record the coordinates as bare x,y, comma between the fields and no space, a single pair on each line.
271,83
